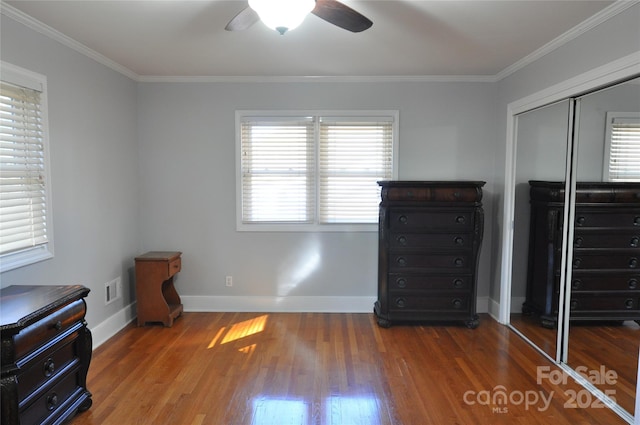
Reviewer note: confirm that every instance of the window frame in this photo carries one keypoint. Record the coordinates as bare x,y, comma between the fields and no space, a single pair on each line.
18,76
315,225
610,118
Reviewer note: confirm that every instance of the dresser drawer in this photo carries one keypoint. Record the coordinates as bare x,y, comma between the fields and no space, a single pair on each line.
457,241
44,365
606,260
604,218
594,239
598,302
50,327
407,220
399,281
433,194
606,282
445,303
53,398
459,262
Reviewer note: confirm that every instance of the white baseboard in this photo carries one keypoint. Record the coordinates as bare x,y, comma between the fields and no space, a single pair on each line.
114,324
269,304
108,328
319,304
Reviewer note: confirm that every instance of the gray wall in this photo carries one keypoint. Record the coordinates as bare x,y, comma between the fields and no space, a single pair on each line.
187,175
94,168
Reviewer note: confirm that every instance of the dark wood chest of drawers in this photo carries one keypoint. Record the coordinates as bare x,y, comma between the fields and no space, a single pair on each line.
46,351
605,282
429,240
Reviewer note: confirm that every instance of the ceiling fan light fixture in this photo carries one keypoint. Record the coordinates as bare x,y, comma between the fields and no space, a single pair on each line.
282,15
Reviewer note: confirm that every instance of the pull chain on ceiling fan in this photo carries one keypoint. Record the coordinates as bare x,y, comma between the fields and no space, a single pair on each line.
285,15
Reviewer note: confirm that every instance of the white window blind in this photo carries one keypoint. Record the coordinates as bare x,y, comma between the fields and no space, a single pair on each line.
353,157
22,177
277,171
622,150
306,173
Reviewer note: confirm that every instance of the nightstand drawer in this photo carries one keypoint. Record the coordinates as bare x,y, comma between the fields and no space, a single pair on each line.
50,327
45,365
51,399
175,266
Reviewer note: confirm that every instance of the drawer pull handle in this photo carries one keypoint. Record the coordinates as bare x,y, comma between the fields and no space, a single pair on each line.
402,283
402,261
636,220
58,325
403,219
576,284
574,305
457,303
52,401
49,367
633,263
634,242
401,302
461,219
458,262
459,240
402,240
578,242
628,304
633,284
458,283
576,263
580,221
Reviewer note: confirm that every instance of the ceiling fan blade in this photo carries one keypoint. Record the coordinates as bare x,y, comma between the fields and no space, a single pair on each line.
243,20
341,15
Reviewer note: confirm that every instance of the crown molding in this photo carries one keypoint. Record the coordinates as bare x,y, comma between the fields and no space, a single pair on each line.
318,79
605,14
614,9
26,20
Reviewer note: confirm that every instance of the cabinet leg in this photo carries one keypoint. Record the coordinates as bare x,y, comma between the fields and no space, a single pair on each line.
472,323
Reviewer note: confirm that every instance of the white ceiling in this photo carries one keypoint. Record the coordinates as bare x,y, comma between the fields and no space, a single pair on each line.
170,38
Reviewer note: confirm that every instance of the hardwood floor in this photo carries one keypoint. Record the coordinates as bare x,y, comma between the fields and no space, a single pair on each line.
593,345
312,368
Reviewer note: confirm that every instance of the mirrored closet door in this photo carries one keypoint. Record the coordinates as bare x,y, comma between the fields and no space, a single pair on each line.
604,305
575,276
541,156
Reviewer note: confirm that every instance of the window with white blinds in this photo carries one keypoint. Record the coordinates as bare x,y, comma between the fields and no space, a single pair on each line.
24,226
306,172
354,155
622,147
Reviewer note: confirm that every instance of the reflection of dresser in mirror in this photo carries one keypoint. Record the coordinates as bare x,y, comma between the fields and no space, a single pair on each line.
605,282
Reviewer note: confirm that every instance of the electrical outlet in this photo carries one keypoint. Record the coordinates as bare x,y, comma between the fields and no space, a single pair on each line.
228,281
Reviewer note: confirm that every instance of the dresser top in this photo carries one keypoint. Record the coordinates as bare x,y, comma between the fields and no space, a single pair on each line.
430,183
159,256
21,305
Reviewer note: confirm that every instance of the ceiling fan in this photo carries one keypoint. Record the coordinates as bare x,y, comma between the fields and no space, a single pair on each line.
285,15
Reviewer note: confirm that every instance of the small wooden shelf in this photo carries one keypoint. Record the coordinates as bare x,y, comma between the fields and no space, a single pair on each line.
157,299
